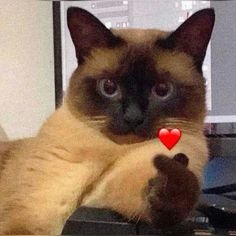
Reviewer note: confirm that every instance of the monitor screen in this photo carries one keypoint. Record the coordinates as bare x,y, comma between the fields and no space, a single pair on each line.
219,65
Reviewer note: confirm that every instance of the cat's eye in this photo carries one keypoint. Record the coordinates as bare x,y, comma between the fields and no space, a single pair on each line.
108,88
162,89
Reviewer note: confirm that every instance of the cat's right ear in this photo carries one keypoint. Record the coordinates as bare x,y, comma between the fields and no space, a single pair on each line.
88,32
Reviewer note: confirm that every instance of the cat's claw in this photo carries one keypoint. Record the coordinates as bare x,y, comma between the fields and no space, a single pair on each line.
174,192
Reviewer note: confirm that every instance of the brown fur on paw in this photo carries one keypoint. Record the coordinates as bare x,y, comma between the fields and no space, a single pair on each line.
181,158
174,192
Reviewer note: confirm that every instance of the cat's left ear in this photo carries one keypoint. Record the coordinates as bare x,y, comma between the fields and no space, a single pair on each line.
87,32
193,36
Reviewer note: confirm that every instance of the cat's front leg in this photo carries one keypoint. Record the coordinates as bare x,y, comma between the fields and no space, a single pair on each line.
173,193
152,186
38,194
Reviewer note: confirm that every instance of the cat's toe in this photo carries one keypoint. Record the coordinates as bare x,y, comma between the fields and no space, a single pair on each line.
181,158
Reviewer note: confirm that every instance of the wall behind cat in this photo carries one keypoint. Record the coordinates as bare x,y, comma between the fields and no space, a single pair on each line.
26,66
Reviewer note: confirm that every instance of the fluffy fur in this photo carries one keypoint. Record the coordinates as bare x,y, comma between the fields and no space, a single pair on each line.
86,154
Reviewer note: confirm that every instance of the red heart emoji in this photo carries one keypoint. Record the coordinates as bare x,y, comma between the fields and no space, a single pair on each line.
169,137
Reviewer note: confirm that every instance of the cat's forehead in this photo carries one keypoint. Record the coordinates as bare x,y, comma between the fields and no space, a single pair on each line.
140,46
140,36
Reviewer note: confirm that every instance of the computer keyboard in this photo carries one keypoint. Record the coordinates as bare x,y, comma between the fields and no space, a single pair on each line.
215,215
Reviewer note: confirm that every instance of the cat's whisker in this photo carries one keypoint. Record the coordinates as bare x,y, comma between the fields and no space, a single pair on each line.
98,117
132,216
100,121
96,121
139,218
183,124
99,124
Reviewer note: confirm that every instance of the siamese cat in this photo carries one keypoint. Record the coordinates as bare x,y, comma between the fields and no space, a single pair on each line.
100,149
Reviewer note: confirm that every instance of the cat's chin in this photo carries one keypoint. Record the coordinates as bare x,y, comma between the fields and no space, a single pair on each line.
126,138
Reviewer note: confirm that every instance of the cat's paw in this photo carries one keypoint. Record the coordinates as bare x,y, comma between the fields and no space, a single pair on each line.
173,193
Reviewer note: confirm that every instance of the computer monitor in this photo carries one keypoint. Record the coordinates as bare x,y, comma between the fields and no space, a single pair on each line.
219,67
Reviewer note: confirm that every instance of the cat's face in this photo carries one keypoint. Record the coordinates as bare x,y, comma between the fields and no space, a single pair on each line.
137,81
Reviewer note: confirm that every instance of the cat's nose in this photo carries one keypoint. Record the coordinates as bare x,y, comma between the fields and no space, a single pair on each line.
133,116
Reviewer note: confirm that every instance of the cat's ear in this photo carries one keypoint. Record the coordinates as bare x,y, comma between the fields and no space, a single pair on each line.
192,37
87,32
